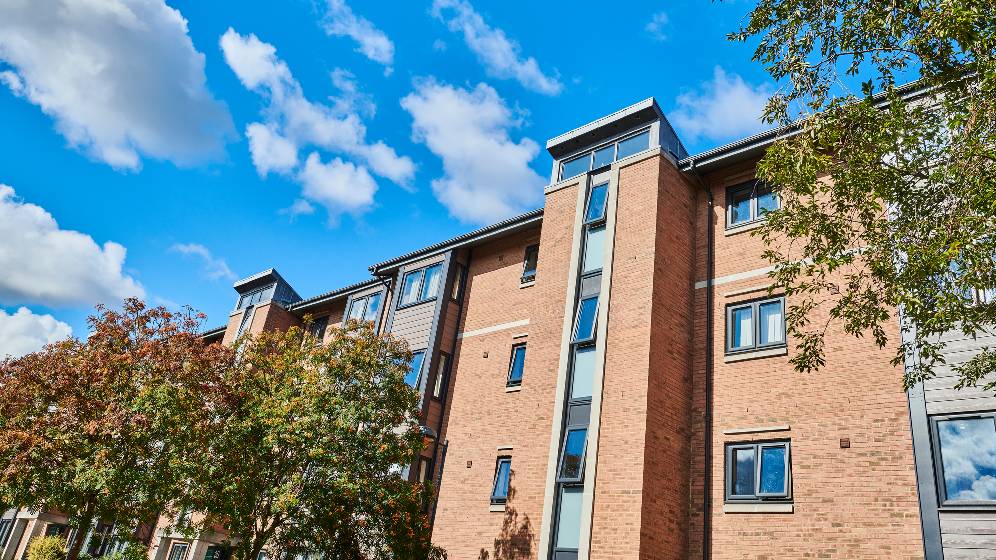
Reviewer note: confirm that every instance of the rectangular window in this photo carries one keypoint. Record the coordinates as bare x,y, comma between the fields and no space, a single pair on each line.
758,471
423,470
458,279
439,385
503,474
584,323
584,372
596,203
365,308
529,263
572,455
964,450
178,551
415,368
317,327
357,309
420,285
575,167
594,250
569,518
603,156
634,145
748,203
755,325
516,364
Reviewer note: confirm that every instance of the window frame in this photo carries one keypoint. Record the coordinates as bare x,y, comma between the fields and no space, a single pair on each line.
577,321
563,455
590,152
605,204
755,305
459,280
421,286
755,188
729,473
495,500
318,326
509,382
174,544
935,448
526,278
421,367
441,380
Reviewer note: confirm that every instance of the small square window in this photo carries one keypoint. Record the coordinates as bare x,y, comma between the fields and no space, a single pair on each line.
584,324
503,475
415,368
603,156
516,365
596,203
529,263
758,471
749,202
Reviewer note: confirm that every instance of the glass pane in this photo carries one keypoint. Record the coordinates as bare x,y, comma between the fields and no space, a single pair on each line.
430,286
585,328
594,249
772,470
500,491
740,208
569,522
634,144
437,386
743,473
766,202
518,362
743,328
584,372
373,308
356,309
603,156
409,287
575,167
596,203
770,323
529,264
570,468
457,283
968,454
414,368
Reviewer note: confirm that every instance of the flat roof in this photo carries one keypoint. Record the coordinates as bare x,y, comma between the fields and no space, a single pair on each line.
642,112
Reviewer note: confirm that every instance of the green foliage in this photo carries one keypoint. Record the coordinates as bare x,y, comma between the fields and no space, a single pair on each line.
134,551
47,548
888,196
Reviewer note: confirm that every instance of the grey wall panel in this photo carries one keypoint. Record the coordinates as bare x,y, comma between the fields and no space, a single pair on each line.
939,393
414,323
968,535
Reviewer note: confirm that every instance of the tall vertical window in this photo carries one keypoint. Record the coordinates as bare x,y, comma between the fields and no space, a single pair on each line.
442,368
965,452
583,372
572,454
758,471
755,325
584,323
458,280
749,202
595,211
569,518
516,364
594,250
529,263
415,368
503,475
246,321
420,285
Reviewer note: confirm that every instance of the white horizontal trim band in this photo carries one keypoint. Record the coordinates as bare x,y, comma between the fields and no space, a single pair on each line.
493,328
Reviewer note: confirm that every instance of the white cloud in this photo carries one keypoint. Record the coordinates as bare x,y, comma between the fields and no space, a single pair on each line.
439,45
24,332
213,267
300,207
373,43
655,27
486,174
724,107
44,264
120,78
292,123
337,183
499,54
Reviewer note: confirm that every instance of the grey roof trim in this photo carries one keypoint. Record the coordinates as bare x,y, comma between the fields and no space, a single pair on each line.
648,103
460,241
332,295
213,331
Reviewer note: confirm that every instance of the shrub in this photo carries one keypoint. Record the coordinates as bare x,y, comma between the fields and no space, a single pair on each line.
47,548
134,551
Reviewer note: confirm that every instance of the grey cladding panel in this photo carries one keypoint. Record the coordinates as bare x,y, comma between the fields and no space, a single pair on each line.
968,535
939,393
413,324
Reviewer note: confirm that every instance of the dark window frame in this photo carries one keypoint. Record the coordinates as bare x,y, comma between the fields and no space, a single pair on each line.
729,473
441,380
421,367
590,152
421,286
365,300
499,500
509,382
936,455
563,455
459,283
754,189
577,322
755,346
605,204
318,326
526,277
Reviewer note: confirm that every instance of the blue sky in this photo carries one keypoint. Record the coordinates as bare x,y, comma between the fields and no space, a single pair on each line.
164,150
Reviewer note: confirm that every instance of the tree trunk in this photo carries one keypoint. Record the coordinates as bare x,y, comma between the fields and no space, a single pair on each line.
86,521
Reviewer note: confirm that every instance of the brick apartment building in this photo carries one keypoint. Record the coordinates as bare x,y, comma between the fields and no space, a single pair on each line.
607,377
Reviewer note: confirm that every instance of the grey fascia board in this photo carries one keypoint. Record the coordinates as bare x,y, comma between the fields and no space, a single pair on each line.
213,331
647,104
464,240
333,295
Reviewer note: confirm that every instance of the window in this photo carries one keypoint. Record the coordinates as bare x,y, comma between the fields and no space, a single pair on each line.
218,552
572,455
584,323
755,325
503,473
596,203
56,530
516,364
964,448
254,297
246,322
317,327
569,518
458,279
178,551
758,471
594,250
529,263
605,155
749,203
423,469
5,528
415,368
439,386
365,308
420,285
584,372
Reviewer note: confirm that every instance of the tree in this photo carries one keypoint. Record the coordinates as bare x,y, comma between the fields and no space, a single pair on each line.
888,195
306,449
99,429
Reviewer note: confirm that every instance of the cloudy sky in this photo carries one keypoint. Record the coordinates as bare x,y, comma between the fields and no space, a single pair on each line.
164,150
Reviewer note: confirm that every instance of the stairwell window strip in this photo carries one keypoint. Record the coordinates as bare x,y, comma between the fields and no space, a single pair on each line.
605,154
